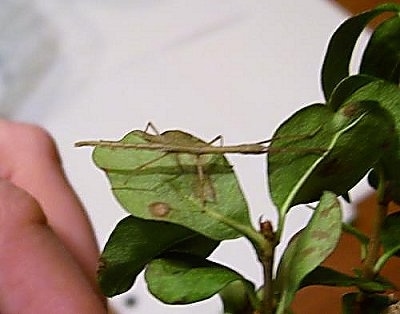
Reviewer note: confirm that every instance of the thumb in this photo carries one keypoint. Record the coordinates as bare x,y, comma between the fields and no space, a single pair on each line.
37,273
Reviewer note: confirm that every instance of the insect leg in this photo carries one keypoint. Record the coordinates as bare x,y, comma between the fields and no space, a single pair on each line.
152,127
142,166
200,174
216,139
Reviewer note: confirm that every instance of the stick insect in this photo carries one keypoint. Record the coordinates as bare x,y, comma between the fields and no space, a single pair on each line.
178,142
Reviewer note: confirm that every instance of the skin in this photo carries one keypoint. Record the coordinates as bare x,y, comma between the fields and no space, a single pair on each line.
48,252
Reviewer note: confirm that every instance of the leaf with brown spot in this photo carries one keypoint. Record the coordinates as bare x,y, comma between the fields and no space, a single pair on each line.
187,189
159,209
320,235
352,147
309,248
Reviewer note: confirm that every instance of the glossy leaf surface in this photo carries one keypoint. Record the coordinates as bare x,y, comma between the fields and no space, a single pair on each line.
346,88
340,49
343,146
387,95
329,277
381,57
135,242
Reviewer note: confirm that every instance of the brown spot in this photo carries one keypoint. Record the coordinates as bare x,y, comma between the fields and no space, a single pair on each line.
351,110
329,167
159,209
326,211
320,235
308,251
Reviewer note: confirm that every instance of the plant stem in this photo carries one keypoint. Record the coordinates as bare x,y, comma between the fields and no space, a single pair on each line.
361,237
384,258
267,302
369,268
373,253
264,243
266,258
248,231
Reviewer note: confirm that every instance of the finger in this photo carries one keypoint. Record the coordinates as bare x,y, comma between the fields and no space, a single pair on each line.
38,275
29,158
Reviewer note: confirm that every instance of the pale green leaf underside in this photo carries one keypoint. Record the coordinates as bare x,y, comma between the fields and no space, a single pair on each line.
309,248
160,186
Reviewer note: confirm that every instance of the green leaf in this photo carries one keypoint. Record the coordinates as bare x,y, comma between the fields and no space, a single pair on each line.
135,242
388,97
373,286
346,88
381,57
340,49
235,298
349,304
343,146
197,244
372,304
390,234
309,248
183,279
360,236
289,169
329,277
196,191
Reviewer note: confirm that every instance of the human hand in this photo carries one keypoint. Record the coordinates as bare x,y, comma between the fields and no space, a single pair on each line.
48,252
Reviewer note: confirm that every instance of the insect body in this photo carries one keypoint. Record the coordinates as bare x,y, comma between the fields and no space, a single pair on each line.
179,178
176,154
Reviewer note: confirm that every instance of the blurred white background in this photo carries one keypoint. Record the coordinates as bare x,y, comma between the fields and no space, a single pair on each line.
97,69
